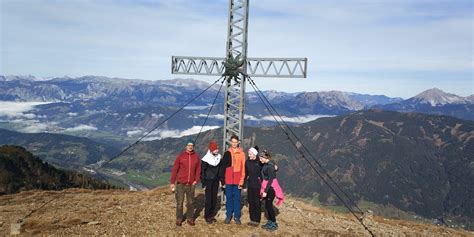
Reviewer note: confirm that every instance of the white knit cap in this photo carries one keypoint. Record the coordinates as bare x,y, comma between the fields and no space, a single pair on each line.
253,151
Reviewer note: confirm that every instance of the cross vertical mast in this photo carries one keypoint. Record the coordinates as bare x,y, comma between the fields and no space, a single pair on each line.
234,97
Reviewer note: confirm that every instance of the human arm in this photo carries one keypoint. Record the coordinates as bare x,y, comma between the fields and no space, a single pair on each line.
174,172
197,174
270,169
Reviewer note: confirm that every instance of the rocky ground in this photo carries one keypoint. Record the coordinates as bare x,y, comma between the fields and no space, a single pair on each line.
118,212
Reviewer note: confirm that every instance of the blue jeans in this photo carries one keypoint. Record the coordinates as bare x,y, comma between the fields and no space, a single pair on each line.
232,204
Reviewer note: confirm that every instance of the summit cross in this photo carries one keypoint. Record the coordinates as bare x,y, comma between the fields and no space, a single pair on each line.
236,60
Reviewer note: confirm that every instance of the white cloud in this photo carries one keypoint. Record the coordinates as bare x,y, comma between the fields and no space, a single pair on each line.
81,127
134,133
29,116
214,116
251,117
160,134
195,130
72,114
156,115
35,128
299,119
18,109
196,107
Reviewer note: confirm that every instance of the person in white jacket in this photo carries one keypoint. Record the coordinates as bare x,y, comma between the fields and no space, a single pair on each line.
210,167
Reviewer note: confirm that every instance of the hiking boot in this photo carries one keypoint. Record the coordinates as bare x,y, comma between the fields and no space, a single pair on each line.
213,219
237,221
227,220
179,222
191,222
209,221
273,226
267,225
253,223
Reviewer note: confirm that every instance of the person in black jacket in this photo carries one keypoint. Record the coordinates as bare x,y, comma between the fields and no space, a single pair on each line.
268,194
252,185
210,167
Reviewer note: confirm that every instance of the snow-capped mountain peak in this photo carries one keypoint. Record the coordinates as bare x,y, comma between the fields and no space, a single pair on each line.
437,97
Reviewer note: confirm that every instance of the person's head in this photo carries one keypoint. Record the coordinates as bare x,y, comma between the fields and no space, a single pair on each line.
253,152
213,147
264,156
234,141
189,145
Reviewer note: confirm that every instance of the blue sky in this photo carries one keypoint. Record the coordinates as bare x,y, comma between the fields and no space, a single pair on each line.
391,47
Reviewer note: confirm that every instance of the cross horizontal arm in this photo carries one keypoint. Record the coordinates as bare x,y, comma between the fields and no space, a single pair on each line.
256,67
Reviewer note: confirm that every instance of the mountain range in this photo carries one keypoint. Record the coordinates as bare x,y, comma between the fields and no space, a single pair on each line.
414,162
435,101
417,161
121,110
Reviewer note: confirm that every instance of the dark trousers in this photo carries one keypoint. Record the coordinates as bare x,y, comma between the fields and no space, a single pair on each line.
212,186
269,204
253,196
181,191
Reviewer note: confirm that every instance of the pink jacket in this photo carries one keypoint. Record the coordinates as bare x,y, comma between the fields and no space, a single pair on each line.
278,191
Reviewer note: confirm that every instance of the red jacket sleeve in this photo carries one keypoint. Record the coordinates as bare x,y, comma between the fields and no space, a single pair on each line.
175,169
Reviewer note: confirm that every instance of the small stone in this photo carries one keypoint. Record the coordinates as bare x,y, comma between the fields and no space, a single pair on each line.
93,223
368,218
16,228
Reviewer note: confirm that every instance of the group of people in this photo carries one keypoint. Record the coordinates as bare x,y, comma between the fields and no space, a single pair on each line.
233,172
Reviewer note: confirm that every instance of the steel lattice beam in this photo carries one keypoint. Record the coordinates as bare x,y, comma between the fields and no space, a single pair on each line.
256,67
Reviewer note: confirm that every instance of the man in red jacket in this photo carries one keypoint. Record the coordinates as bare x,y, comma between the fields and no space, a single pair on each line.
186,174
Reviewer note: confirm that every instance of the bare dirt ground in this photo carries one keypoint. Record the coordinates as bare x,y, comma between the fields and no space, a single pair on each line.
118,212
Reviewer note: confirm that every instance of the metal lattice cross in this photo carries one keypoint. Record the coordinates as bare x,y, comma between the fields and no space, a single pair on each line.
234,97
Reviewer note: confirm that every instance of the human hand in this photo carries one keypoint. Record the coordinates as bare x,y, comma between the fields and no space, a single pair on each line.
172,187
264,194
245,190
194,183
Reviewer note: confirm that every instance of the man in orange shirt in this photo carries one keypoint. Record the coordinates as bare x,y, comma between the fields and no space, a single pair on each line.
233,175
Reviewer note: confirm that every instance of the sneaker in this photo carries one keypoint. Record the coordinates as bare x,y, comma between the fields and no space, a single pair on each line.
227,220
237,221
213,219
209,221
179,222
